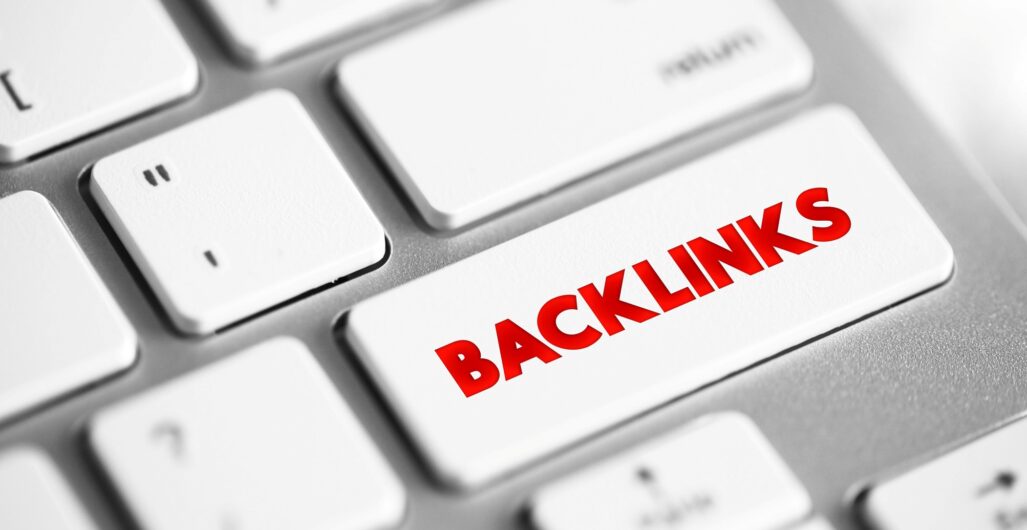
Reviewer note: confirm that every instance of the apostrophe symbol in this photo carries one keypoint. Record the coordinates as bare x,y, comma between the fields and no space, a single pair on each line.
213,260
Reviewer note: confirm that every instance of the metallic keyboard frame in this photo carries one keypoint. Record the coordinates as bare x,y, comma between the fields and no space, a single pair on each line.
840,410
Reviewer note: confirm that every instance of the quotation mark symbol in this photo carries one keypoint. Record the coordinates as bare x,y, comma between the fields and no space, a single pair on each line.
153,179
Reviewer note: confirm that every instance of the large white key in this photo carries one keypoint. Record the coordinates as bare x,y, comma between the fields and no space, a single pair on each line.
71,67
508,99
260,441
237,212
982,484
261,31
33,496
591,320
717,474
60,329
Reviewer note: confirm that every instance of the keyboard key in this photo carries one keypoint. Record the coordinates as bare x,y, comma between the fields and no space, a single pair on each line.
817,523
259,441
237,212
529,346
60,329
506,100
263,31
69,68
33,496
719,474
982,484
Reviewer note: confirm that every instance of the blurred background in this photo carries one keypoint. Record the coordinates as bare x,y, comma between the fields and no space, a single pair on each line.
966,60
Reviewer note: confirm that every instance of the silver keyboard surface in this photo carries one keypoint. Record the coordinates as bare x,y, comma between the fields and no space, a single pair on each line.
843,410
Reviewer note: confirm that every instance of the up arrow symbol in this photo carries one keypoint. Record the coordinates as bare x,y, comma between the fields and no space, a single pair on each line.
1004,481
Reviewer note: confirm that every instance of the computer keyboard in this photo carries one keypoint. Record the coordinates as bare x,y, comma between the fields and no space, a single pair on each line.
648,264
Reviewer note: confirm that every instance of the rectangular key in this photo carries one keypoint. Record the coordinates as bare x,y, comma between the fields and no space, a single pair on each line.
34,496
506,100
262,31
261,441
719,473
816,523
236,212
982,484
60,329
501,358
72,67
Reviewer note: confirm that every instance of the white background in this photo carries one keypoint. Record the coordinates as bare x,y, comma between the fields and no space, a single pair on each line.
966,60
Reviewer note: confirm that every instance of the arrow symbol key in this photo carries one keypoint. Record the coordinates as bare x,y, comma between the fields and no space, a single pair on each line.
1004,481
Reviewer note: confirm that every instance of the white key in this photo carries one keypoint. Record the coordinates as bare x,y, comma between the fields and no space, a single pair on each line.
717,474
817,523
60,329
33,496
508,99
262,31
237,212
982,484
260,441
604,362
72,67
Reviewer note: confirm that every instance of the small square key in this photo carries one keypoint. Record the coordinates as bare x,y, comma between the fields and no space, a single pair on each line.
34,496
71,67
263,31
718,473
60,329
237,212
260,441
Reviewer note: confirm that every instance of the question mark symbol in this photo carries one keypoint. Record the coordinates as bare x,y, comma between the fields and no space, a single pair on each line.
170,433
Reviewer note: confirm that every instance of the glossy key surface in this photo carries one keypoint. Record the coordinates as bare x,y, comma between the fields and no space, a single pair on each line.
506,100
237,212
508,355
259,441
60,328
69,68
